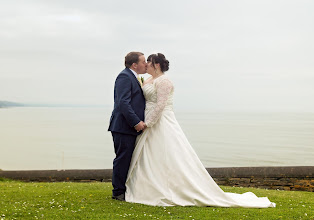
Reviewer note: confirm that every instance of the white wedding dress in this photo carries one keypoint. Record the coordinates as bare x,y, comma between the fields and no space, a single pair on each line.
165,170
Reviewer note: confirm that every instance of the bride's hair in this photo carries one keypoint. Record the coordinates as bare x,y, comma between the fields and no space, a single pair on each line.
161,59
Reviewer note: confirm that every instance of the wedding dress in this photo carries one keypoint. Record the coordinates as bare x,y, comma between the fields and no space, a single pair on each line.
165,170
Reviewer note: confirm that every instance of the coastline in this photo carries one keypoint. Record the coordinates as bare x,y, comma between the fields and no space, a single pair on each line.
289,178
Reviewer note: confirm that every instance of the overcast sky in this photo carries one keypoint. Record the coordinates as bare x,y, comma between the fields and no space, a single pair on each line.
224,55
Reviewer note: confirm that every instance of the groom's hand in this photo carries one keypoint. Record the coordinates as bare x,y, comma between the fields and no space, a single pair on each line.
140,126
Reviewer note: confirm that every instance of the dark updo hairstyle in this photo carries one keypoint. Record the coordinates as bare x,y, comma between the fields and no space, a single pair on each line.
161,59
132,57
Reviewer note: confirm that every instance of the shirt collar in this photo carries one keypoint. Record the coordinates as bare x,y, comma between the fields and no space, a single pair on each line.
135,74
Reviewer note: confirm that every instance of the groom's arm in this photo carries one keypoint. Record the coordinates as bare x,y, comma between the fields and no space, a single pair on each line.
123,88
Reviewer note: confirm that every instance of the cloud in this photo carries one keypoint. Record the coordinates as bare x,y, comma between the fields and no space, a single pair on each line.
226,51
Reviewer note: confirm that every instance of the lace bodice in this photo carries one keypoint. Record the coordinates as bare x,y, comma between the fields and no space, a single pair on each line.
159,97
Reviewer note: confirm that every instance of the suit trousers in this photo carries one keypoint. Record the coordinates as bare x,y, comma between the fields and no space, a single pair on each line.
124,145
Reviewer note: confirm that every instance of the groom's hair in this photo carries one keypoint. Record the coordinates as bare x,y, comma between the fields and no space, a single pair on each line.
131,58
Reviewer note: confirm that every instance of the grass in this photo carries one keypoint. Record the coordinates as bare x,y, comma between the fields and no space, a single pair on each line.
70,200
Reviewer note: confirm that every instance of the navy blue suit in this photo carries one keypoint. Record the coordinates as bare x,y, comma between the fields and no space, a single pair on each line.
129,107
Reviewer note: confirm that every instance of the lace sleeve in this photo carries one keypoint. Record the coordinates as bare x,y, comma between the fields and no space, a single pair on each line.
164,88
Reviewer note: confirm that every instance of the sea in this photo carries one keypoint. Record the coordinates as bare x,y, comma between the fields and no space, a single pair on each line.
61,138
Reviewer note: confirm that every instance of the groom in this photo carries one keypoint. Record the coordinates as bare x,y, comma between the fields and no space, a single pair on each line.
127,119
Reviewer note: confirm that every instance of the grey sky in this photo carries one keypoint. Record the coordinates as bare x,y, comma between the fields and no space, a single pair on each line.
224,55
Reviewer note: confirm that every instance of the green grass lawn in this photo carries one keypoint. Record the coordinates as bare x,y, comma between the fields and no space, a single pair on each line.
70,200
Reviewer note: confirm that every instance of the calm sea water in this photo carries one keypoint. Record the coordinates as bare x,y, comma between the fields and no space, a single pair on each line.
77,138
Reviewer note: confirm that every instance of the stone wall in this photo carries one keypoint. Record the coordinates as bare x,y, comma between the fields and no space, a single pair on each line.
282,178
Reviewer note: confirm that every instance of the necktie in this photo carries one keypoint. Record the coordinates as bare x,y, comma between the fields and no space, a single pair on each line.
140,81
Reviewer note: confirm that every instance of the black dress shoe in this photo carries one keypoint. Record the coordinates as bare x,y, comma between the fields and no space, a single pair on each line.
119,197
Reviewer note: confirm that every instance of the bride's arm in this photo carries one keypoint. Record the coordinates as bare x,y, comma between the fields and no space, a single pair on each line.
164,88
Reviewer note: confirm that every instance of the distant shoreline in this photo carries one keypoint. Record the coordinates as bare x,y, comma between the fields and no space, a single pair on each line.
7,104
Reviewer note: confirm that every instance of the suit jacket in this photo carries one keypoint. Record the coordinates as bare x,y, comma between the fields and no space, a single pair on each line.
129,104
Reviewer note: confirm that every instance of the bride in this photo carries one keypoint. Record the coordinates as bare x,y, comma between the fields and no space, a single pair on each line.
165,170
